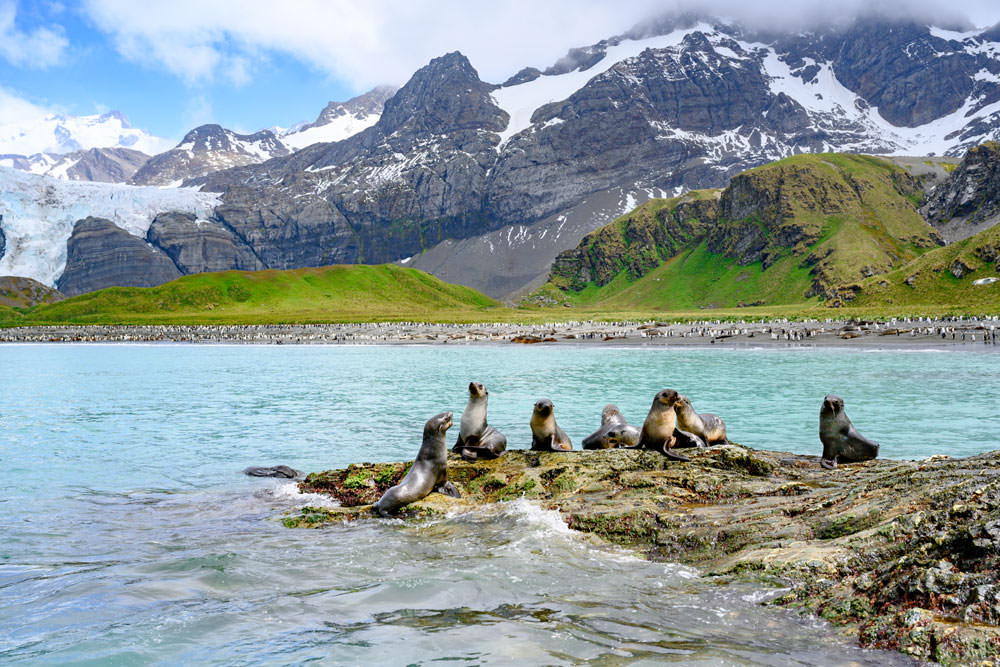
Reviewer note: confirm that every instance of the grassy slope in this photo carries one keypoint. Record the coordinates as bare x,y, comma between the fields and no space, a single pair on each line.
847,203
326,294
934,288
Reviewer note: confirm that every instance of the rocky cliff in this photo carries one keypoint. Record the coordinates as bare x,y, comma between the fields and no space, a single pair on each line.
101,254
196,245
969,201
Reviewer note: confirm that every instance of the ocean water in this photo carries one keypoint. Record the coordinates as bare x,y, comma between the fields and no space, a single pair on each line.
128,534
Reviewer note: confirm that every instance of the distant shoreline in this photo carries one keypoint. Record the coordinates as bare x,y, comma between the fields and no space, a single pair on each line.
962,333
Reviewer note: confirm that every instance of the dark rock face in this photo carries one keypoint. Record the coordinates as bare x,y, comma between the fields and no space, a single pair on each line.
206,149
100,254
107,165
971,196
200,245
903,70
3,239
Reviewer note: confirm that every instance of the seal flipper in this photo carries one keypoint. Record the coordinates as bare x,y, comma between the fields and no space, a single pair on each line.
448,489
829,464
671,454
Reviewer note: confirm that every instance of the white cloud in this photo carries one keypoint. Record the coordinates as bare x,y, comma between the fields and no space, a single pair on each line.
15,109
384,41
41,47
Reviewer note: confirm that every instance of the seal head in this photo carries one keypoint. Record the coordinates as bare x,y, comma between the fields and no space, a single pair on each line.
429,471
841,441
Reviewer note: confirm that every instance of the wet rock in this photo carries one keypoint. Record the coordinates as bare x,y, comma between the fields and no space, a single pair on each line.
904,553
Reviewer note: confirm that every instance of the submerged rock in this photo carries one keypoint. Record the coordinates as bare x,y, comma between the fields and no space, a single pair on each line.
906,554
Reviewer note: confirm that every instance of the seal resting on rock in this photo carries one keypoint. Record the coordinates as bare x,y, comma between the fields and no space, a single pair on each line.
546,435
661,422
706,426
429,471
277,471
839,437
612,422
476,438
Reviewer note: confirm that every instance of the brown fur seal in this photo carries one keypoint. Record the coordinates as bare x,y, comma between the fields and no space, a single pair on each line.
546,435
658,429
706,426
429,471
612,421
839,437
476,438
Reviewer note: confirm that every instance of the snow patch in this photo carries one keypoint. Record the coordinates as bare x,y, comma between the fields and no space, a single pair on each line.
338,129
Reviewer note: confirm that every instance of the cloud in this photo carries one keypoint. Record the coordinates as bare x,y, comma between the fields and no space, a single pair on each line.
15,109
40,47
384,41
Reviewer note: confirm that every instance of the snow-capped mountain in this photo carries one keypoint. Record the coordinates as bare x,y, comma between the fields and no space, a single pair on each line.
206,149
58,134
107,165
37,214
339,120
485,184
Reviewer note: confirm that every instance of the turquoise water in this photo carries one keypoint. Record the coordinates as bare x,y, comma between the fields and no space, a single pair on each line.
131,536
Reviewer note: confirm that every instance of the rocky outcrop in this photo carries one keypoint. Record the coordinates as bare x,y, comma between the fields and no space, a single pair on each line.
969,201
3,239
842,217
18,292
206,149
636,243
197,245
905,554
99,254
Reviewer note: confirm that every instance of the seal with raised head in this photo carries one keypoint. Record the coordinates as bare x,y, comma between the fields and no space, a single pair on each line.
546,435
705,425
841,441
658,429
429,471
476,438
613,432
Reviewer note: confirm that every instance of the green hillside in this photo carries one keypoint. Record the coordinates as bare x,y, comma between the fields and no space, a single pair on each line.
805,227
326,294
939,281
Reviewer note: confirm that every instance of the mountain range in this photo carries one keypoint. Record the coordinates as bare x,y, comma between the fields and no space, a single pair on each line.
485,184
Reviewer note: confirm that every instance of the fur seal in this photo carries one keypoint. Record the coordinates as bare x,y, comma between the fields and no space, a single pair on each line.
685,439
276,471
476,438
429,471
706,426
839,437
612,422
658,429
546,435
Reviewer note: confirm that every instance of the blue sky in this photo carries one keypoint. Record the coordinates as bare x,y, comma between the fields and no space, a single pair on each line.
170,65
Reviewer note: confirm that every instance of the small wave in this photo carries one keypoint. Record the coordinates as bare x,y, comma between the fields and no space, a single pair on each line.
288,492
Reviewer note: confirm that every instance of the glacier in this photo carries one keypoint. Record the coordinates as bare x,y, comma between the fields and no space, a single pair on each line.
37,214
